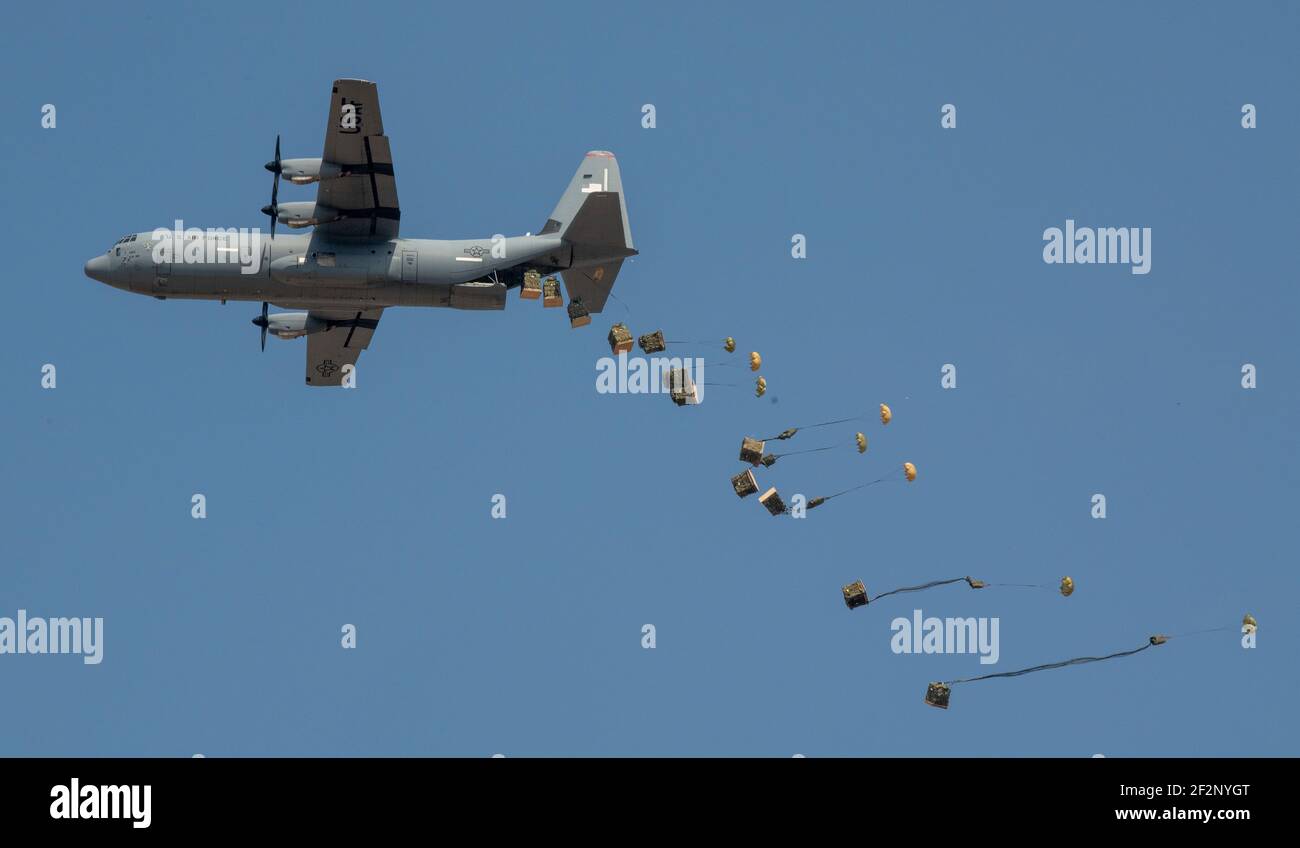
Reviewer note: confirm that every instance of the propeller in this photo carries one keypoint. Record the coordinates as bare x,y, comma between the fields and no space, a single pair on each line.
263,323
276,168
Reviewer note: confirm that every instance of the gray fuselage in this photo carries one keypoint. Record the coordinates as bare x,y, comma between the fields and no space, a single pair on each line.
310,270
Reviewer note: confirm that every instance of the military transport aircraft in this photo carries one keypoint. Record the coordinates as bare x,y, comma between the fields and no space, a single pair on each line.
352,265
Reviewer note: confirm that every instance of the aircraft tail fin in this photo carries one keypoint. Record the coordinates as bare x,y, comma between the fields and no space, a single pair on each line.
592,218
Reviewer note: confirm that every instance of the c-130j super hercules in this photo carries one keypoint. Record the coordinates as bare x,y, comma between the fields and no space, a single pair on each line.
353,265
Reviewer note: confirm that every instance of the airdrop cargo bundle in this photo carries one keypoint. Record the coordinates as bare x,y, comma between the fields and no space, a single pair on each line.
681,388
532,287
744,483
620,339
751,451
936,695
578,315
772,502
551,293
652,342
855,595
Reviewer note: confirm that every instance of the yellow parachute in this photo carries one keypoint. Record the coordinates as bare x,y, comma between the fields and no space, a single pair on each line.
760,387
1067,586
755,361
886,414
909,470
862,442
1248,624
730,344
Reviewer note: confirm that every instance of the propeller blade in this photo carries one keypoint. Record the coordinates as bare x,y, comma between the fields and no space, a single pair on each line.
275,168
274,165
263,323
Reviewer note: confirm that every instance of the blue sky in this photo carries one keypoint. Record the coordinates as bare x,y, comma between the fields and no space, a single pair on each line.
523,636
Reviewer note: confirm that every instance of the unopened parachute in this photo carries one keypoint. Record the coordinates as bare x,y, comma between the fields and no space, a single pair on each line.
855,594
938,694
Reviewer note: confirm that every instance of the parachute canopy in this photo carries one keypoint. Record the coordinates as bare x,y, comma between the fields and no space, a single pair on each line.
755,361
886,414
1248,624
729,344
1067,586
909,470
760,387
862,442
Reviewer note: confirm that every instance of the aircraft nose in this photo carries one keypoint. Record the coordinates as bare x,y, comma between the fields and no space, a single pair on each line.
97,268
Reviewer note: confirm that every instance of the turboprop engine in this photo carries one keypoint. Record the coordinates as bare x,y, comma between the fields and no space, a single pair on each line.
301,213
291,325
305,171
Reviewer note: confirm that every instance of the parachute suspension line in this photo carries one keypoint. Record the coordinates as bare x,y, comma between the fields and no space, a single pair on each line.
884,479
1048,666
626,308
1199,632
790,433
808,450
929,585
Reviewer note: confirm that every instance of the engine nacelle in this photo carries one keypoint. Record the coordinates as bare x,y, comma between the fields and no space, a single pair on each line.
304,171
291,325
303,213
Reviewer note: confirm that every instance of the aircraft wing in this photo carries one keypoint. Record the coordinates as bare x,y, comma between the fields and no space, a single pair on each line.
366,193
329,350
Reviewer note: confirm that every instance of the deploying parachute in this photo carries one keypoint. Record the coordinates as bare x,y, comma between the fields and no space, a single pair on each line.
861,598
760,387
755,361
861,442
729,344
1067,586
886,414
909,473
937,694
